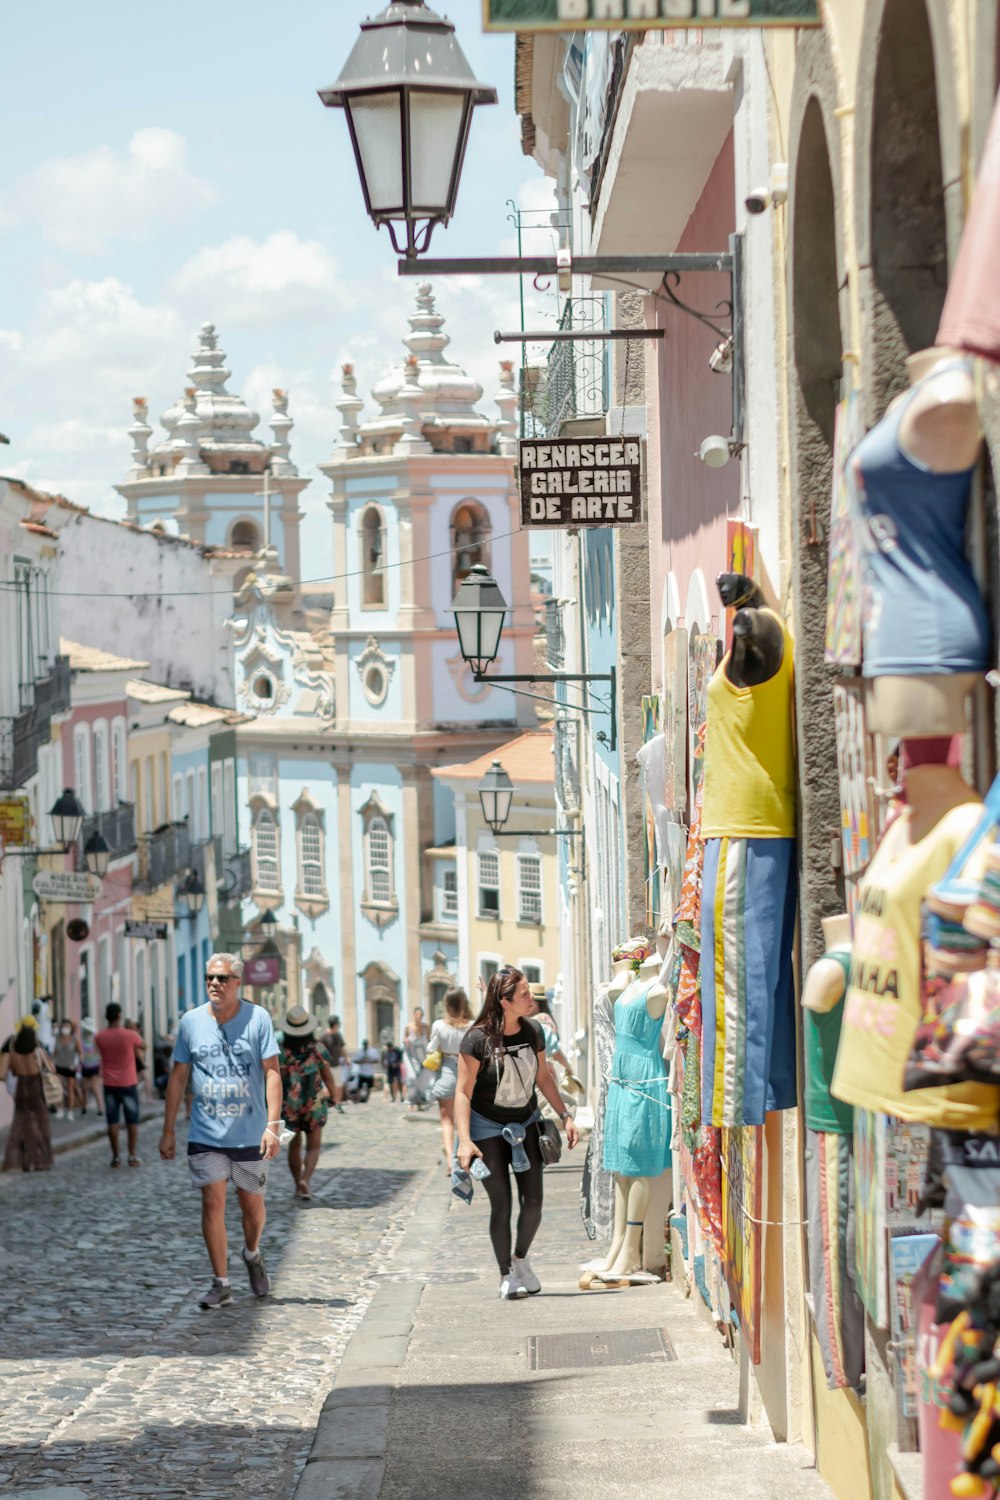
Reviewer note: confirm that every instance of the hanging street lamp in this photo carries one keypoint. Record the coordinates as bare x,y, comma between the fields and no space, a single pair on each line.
496,793
193,891
97,853
67,816
480,609
408,94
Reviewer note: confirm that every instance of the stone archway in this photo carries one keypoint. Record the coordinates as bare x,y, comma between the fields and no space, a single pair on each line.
816,286
908,185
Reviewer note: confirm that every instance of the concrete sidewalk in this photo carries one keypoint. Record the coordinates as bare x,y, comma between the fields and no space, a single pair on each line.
436,1394
68,1134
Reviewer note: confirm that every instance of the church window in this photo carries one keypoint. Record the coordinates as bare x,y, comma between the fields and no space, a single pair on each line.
380,876
265,853
263,687
375,684
470,538
372,559
312,856
245,534
379,902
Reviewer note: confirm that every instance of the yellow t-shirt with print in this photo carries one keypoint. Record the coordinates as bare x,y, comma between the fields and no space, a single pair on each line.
882,1008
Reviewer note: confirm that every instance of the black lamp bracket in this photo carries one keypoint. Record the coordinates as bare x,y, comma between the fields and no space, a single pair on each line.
611,678
668,269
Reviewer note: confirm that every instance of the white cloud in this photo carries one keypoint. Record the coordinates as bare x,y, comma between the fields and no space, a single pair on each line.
84,203
257,284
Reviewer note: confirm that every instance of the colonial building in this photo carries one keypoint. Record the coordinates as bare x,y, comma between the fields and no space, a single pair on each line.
352,712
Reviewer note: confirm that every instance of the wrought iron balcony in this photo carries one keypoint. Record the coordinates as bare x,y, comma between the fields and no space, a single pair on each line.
163,854
117,826
22,735
555,635
576,374
235,879
199,859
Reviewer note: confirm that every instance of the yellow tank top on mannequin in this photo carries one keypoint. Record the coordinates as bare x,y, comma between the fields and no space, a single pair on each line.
749,789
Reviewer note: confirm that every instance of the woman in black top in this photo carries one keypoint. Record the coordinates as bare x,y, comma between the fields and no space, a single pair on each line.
501,1063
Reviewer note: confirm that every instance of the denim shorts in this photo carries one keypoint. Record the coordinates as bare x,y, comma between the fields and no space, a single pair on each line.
117,1099
446,1082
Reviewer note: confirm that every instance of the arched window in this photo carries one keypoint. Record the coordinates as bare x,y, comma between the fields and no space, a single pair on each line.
311,894
470,539
245,534
372,559
265,853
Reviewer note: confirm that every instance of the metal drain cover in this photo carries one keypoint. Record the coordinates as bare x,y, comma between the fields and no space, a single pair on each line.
588,1351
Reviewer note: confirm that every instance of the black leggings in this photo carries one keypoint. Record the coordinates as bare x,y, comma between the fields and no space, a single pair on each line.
497,1156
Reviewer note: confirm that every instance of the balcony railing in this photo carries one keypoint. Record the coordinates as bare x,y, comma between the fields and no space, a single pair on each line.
555,635
199,860
163,855
235,878
22,736
117,826
576,372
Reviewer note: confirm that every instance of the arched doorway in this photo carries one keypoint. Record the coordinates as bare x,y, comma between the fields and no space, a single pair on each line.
816,390
381,1003
908,227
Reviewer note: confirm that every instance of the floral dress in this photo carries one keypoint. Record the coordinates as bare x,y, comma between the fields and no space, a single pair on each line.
306,1102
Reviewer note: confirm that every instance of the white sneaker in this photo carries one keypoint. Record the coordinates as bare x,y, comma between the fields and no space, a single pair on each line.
511,1287
525,1275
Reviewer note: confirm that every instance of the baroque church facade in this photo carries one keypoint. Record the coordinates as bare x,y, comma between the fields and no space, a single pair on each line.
354,693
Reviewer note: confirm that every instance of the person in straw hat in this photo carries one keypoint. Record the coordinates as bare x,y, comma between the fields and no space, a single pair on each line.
308,1088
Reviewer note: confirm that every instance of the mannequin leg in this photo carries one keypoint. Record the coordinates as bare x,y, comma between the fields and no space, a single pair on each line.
629,1256
621,1222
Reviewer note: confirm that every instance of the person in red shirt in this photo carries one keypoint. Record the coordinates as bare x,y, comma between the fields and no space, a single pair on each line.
119,1047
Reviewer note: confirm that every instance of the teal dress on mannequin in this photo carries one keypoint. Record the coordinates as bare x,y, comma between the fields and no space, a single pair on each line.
637,1115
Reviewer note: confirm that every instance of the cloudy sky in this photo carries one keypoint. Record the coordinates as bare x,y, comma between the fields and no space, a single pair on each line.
164,166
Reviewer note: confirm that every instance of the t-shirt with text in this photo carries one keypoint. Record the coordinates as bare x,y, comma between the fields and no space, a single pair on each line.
118,1048
504,1090
229,1111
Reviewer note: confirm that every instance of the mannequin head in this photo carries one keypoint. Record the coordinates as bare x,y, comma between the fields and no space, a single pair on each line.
737,591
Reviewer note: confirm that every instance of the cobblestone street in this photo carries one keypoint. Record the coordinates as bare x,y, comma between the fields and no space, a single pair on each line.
114,1382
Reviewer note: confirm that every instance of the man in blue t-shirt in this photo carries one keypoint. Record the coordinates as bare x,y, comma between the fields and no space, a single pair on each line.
228,1048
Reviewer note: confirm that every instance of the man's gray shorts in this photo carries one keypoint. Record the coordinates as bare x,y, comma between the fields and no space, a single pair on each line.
207,1167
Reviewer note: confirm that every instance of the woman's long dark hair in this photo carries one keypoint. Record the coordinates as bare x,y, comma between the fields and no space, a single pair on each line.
501,987
26,1040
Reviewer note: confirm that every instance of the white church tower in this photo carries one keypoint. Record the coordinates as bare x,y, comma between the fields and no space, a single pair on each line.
209,478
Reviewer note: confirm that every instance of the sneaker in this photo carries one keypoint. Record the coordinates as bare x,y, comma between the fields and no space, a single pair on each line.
218,1294
260,1283
511,1287
525,1275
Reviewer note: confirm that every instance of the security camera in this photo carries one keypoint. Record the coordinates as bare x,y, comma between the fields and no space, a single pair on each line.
758,200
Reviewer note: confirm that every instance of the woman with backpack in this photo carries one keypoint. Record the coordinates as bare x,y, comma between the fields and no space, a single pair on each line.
501,1063
308,1090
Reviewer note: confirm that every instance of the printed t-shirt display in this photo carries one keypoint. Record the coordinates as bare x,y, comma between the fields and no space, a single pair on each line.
922,612
229,1110
118,1048
504,1090
882,1008
749,789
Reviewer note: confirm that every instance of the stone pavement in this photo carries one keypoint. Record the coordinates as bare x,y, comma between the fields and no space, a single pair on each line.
114,1385
436,1396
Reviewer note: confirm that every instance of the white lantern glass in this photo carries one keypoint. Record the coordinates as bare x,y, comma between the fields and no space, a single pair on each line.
378,131
436,126
495,796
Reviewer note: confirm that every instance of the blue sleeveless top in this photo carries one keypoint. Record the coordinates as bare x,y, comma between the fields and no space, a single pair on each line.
922,610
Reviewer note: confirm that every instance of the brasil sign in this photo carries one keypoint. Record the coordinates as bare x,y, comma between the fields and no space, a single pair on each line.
646,15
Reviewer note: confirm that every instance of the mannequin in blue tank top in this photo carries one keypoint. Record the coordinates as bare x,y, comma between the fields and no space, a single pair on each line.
926,630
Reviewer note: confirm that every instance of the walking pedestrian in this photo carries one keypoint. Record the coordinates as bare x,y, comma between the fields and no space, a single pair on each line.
333,1041
121,1051
364,1062
415,1035
228,1049
29,1143
392,1067
446,1038
90,1068
307,1089
501,1063
66,1056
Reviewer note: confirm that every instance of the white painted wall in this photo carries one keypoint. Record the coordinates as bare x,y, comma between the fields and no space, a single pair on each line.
173,611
